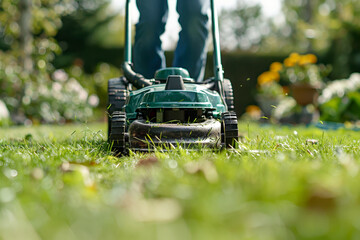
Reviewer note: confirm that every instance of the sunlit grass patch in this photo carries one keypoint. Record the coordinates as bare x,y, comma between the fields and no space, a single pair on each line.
280,183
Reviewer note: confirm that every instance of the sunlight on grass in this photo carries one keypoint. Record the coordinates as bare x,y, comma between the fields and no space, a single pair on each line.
61,182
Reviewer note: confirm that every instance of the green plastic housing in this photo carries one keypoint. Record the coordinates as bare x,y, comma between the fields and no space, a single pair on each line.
194,96
164,73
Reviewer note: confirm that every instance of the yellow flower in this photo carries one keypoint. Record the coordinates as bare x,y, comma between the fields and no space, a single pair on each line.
289,62
295,57
303,60
307,59
252,108
268,77
312,58
292,60
253,111
276,67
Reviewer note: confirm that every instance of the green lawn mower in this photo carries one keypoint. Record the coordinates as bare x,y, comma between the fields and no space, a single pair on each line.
171,109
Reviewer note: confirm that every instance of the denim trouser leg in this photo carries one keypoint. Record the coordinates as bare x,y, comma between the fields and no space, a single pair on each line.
191,49
148,55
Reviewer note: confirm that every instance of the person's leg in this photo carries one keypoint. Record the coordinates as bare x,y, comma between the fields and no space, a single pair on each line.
191,49
148,55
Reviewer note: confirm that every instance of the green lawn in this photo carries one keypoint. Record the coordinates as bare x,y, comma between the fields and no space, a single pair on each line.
61,182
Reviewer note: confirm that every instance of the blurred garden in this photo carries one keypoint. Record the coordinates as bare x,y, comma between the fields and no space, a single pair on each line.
57,55
299,66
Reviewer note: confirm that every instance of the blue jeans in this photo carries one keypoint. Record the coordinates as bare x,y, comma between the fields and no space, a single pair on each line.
190,52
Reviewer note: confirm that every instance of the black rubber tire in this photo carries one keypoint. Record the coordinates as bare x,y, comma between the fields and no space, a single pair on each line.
229,95
118,90
117,132
230,132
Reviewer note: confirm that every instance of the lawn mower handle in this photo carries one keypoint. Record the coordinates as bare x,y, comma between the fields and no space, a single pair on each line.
218,70
140,81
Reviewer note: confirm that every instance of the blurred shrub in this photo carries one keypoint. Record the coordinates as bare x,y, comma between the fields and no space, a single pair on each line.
340,100
4,115
37,92
96,82
59,99
42,97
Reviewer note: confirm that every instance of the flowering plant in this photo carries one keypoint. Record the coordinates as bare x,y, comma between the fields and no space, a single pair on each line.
270,92
268,83
302,69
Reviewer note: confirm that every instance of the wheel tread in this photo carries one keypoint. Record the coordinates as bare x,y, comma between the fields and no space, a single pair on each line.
117,131
118,91
229,94
230,129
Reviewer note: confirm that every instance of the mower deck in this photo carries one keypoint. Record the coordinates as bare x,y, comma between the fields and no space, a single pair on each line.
144,135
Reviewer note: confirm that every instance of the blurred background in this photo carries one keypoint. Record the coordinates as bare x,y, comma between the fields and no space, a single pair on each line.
57,55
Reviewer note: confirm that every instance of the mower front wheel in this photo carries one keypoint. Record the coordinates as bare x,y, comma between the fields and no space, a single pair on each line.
229,131
117,132
118,90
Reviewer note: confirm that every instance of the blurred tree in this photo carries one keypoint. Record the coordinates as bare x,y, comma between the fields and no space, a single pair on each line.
242,27
86,33
25,37
27,28
329,27
344,50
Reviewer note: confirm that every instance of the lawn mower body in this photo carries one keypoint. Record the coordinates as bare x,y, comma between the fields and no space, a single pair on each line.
171,109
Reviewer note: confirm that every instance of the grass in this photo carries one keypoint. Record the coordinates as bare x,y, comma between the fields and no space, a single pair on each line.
61,182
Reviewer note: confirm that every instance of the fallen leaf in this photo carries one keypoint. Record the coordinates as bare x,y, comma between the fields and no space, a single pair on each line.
321,199
205,167
147,162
